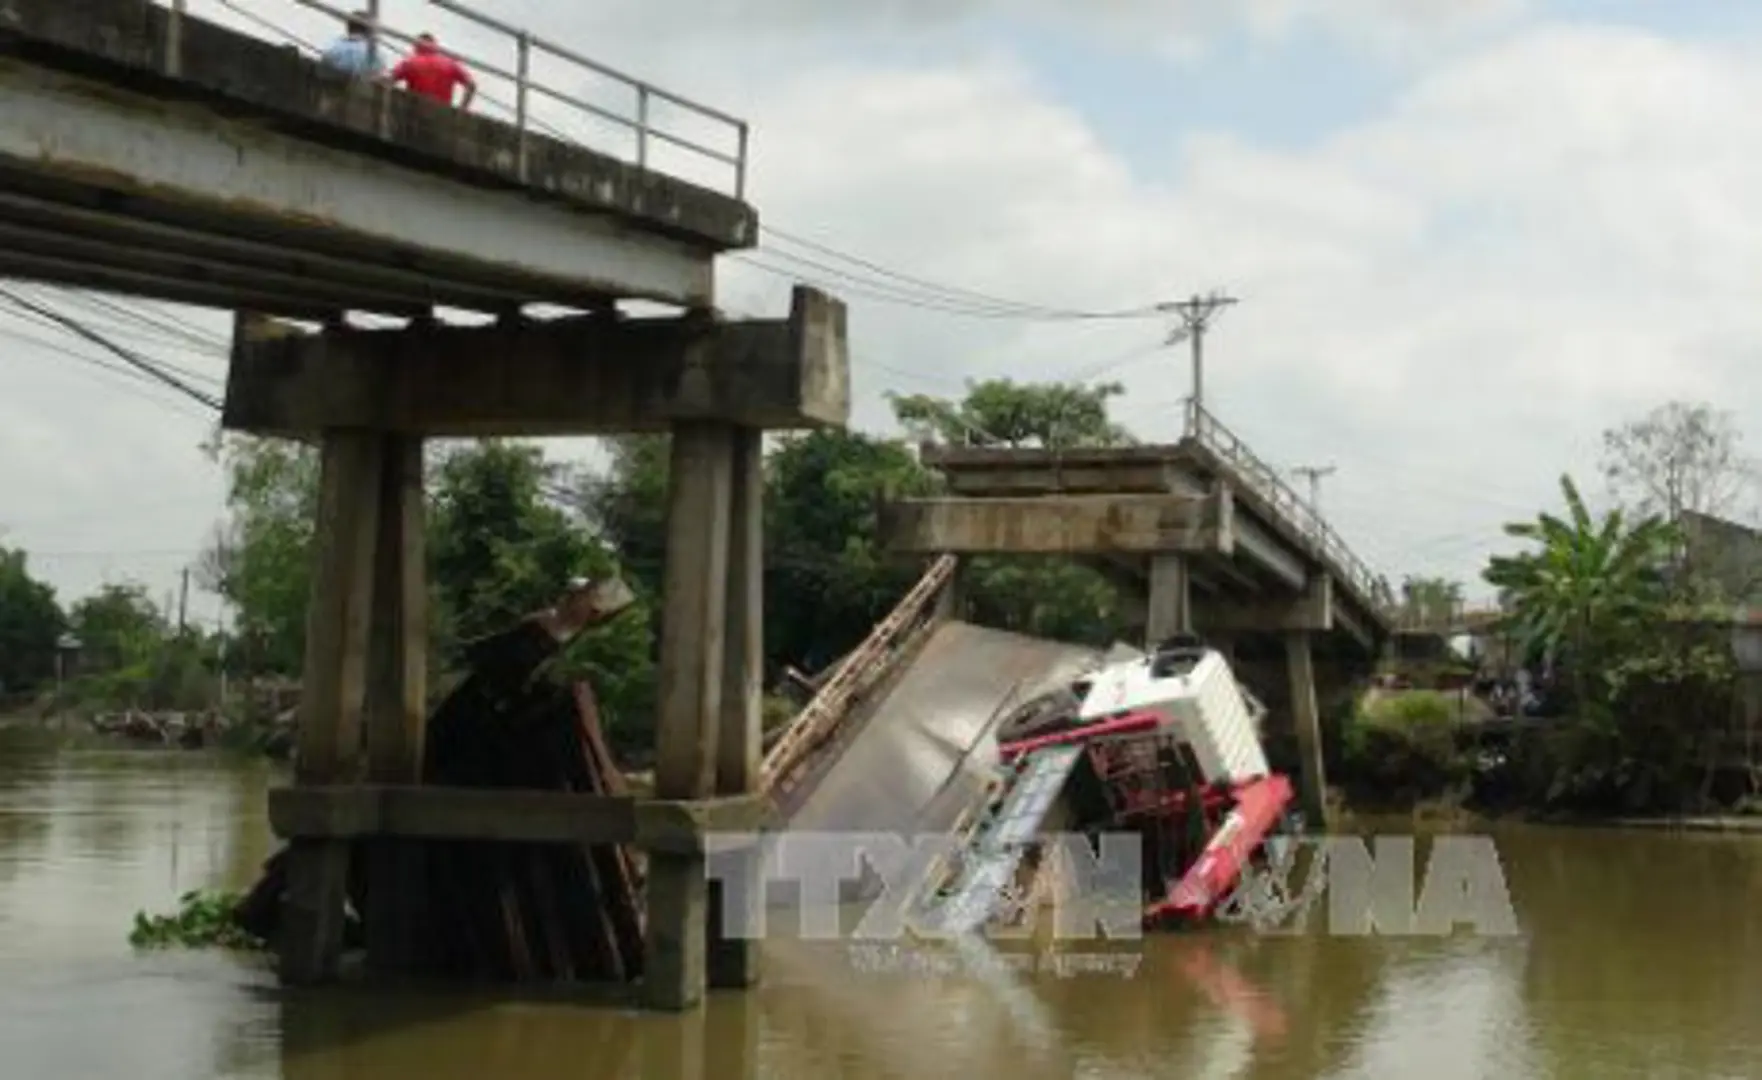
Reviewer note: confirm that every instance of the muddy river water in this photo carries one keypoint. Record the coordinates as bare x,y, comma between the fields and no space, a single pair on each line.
1637,955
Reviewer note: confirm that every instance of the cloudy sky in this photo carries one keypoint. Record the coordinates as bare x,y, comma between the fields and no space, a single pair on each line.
1468,235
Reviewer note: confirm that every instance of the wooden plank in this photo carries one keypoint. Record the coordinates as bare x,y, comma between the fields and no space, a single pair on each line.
329,737
1055,525
360,811
397,698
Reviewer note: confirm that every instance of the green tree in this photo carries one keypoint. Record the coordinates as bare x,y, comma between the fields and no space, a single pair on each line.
1002,412
1051,597
1430,600
119,626
260,562
1594,593
628,505
1589,588
827,581
30,624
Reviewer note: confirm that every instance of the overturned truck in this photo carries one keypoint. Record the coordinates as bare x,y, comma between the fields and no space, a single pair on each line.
1166,745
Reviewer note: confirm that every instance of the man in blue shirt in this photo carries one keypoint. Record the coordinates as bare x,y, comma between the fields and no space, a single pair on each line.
354,53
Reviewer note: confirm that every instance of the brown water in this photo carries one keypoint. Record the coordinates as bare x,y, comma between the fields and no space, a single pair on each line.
1640,955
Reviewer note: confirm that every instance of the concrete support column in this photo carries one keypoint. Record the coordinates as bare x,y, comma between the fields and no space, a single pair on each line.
1171,600
734,958
1306,719
693,651
397,700
332,693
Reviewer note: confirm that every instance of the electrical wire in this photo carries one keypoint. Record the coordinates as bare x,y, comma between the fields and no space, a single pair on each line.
128,356
879,283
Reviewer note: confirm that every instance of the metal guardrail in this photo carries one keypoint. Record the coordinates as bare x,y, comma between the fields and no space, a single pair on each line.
822,716
1268,484
639,121
1458,621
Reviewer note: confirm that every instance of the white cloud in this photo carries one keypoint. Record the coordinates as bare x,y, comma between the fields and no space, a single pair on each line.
1537,237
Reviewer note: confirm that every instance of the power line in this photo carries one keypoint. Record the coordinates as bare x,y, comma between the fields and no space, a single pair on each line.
918,291
128,356
951,293
181,329
36,319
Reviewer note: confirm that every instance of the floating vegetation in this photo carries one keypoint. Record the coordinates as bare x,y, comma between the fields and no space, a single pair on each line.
204,920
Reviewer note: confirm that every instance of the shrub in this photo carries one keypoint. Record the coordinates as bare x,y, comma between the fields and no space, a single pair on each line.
1403,746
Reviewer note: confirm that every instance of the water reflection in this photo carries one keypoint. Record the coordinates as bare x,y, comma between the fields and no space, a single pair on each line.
1640,956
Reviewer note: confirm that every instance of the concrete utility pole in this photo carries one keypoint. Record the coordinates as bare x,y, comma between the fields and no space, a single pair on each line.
1197,313
1314,474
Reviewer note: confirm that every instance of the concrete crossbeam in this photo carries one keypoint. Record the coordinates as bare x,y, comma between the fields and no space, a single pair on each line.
79,143
1060,525
1311,611
1143,478
575,376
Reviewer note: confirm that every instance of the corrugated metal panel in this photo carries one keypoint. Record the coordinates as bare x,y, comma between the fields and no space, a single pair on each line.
988,866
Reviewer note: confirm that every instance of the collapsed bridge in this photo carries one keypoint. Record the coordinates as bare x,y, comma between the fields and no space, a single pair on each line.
1202,534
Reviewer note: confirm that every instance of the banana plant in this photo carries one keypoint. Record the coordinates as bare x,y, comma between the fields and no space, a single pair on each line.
1587,585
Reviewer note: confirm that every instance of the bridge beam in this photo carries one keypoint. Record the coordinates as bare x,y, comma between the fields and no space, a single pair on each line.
1060,525
1270,555
87,142
573,376
1311,611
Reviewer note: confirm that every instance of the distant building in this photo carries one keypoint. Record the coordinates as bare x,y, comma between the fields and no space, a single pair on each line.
1726,555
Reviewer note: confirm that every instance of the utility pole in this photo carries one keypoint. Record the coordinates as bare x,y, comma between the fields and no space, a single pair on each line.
1314,474
1197,313
183,604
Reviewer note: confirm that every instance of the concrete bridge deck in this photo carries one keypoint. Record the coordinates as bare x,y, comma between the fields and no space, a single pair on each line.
1201,528
148,152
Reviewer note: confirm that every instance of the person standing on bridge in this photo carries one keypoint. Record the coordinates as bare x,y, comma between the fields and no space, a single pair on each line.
353,53
433,74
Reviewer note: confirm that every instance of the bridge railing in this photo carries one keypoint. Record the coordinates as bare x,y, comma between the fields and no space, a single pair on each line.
527,95
1267,483
1462,620
821,718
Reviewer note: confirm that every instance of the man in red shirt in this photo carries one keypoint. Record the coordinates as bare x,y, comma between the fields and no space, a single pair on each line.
434,74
